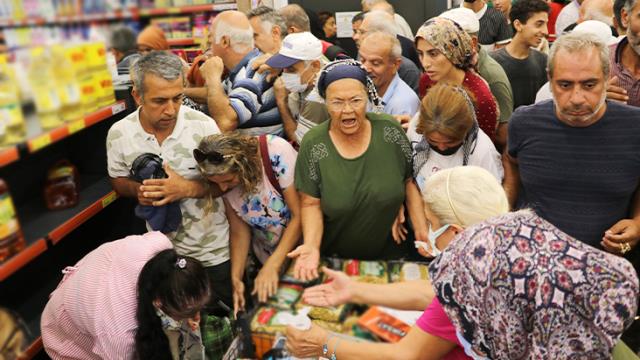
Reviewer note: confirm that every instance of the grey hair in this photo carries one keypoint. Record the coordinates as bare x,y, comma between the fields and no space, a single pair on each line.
577,42
269,18
629,5
294,15
396,49
123,39
159,63
597,14
378,20
370,3
241,40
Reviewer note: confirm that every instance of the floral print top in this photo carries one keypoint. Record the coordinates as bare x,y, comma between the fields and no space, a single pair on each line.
266,211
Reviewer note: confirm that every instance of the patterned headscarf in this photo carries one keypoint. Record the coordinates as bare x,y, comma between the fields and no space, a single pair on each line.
422,149
347,69
449,38
516,287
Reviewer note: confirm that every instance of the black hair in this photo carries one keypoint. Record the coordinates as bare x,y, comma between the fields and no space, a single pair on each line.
359,17
617,11
181,286
523,10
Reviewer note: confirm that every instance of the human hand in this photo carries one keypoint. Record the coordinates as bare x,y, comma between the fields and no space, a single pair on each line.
424,249
212,68
334,293
622,237
306,343
615,92
142,199
266,283
403,120
238,295
307,261
398,230
172,188
279,90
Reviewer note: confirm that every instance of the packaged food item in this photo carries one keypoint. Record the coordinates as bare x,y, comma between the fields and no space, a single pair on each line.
388,324
331,313
407,271
367,271
328,325
12,124
286,296
67,85
11,237
270,320
43,87
61,187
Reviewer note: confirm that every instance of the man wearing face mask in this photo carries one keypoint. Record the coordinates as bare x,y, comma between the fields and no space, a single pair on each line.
576,156
300,59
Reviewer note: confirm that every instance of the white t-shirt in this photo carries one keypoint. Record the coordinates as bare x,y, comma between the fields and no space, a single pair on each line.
484,155
204,231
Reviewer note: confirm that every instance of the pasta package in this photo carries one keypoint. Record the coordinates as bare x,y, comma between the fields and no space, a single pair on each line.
331,313
407,271
268,320
384,325
286,296
328,325
367,271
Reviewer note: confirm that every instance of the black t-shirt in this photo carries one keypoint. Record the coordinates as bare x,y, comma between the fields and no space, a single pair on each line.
580,179
525,75
493,27
409,50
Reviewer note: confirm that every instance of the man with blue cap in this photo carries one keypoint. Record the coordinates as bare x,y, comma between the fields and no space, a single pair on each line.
300,59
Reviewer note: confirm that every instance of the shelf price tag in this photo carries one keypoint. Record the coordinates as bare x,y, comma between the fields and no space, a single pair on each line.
174,10
116,108
109,199
76,126
39,142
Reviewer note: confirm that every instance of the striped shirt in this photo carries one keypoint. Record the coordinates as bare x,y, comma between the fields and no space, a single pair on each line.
92,313
253,99
626,80
580,179
494,28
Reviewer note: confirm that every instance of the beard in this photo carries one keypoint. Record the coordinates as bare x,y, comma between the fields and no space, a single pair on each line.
587,109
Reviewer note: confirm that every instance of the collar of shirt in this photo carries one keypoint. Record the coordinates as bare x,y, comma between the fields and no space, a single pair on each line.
245,60
482,56
391,89
177,130
480,13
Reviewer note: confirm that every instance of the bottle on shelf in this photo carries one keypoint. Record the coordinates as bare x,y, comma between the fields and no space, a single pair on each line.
66,85
12,125
61,187
43,86
11,237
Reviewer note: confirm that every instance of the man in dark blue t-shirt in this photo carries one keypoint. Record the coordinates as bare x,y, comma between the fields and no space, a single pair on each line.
577,158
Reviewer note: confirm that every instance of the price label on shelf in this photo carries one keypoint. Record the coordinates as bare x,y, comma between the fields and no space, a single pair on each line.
39,142
174,10
76,126
119,107
109,199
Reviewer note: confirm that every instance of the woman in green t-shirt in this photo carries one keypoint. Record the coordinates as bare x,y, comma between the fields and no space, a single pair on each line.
353,173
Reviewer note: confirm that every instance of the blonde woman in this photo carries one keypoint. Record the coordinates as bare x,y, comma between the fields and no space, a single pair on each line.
256,174
495,282
445,134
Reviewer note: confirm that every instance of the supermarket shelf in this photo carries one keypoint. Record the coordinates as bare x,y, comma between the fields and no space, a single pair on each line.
37,142
188,9
32,251
132,13
34,348
182,42
9,155
40,224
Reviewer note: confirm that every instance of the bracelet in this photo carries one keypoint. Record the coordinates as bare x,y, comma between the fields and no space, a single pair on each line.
335,348
325,346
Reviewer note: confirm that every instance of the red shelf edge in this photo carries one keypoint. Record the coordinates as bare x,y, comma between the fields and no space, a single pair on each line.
34,348
57,234
9,155
22,258
181,42
62,132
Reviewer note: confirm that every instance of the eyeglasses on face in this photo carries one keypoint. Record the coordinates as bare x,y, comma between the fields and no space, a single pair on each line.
341,104
213,157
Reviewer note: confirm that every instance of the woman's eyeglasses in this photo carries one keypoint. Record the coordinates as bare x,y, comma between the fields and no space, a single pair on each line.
213,157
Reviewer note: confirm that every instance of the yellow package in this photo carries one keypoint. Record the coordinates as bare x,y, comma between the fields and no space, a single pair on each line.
407,271
269,320
367,271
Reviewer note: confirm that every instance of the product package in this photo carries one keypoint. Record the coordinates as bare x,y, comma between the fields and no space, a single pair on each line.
286,296
388,324
61,187
367,271
407,271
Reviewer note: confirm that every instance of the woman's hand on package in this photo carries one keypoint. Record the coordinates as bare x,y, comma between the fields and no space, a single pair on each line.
334,293
266,283
307,260
238,295
306,343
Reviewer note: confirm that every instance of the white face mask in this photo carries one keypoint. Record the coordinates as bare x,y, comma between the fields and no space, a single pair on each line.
293,82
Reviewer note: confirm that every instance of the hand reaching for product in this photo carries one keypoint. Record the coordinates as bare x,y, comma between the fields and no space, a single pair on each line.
266,283
306,343
334,293
307,260
238,296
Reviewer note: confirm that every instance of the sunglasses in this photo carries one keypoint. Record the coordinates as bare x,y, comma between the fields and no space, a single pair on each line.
213,157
